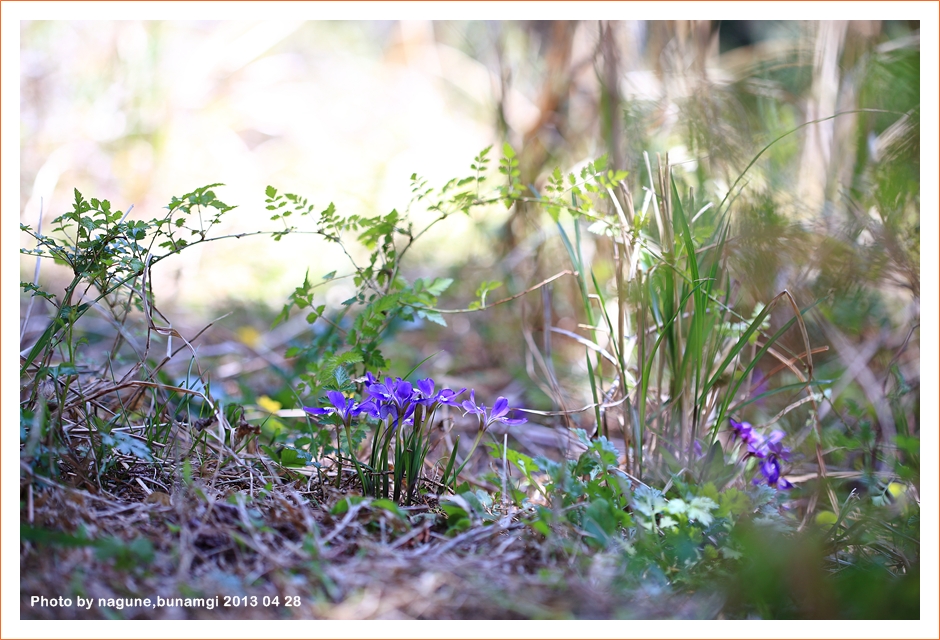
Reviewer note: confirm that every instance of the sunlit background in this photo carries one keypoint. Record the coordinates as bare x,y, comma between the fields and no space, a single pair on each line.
342,112
345,112
137,112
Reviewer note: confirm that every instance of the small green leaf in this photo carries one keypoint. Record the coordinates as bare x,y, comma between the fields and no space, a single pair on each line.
452,509
540,527
391,507
734,502
343,505
439,285
433,316
58,538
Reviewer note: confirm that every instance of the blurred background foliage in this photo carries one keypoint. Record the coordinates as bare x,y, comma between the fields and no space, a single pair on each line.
345,112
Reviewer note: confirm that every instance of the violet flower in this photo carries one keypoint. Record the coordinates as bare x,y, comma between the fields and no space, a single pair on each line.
427,397
499,413
742,430
344,407
396,392
768,449
770,469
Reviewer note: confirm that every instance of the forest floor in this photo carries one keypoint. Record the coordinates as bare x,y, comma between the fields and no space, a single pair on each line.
230,548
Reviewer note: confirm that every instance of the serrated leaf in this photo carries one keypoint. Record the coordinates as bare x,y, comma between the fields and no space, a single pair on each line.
648,501
700,509
433,316
386,302
341,376
676,506
439,285
734,502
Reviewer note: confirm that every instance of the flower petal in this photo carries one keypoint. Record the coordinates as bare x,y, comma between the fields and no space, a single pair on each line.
501,408
317,411
338,400
403,391
367,407
426,387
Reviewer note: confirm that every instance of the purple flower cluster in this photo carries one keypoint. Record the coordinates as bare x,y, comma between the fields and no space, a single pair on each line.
396,400
769,450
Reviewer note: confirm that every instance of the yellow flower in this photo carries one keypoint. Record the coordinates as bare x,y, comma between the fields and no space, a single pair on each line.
269,405
248,335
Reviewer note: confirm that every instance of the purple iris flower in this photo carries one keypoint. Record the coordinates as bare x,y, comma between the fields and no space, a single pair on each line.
426,390
769,449
499,412
770,446
344,407
742,430
449,397
380,391
370,408
398,392
770,469
427,397
404,392
470,406
403,415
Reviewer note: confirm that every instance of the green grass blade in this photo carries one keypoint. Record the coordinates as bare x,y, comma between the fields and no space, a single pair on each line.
597,408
